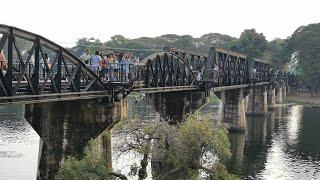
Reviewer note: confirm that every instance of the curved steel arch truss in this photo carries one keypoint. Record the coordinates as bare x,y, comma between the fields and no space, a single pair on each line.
165,69
25,76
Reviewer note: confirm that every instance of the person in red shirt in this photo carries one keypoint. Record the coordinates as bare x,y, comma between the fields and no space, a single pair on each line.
104,67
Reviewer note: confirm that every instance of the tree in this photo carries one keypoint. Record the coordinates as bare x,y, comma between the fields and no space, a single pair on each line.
304,44
174,151
91,166
276,52
251,43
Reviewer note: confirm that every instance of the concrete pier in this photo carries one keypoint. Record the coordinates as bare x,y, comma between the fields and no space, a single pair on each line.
284,94
279,97
232,109
258,101
271,96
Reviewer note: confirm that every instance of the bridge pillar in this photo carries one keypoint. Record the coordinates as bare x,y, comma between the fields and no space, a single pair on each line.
288,88
232,109
176,106
279,96
271,96
258,101
66,128
284,95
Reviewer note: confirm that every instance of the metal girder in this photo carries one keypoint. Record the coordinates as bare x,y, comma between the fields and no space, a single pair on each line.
166,69
24,70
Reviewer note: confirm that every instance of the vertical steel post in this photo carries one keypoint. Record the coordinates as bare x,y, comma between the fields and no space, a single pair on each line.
192,64
37,65
208,66
58,76
77,79
10,59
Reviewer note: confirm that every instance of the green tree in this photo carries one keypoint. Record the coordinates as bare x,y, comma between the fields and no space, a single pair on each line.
251,43
182,150
276,52
304,44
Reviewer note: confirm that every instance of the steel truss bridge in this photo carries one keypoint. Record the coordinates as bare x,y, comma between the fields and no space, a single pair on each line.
29,79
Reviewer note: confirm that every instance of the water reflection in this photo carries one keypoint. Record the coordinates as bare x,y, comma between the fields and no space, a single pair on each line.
18,144
280,146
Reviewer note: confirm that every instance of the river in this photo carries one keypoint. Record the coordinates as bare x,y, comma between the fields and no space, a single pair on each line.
283,145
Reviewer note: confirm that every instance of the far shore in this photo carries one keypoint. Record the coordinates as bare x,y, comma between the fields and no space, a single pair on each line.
302,98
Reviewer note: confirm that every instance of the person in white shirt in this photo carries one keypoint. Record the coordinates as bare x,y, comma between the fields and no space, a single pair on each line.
45,61
85,57
95,63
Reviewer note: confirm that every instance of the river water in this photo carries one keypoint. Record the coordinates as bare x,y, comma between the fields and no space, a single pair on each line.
283,145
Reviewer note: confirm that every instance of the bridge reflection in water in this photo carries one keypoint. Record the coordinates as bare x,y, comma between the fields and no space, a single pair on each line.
249,148
280,139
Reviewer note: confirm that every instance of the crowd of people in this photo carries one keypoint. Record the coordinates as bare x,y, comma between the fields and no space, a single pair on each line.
110,66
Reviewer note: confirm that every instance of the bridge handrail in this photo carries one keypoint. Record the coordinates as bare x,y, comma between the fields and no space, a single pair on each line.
5,29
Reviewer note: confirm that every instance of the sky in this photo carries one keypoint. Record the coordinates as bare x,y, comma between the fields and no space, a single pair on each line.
65,21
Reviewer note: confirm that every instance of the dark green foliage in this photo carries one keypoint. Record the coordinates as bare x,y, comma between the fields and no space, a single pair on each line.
183,150
304,44
276,52
250,43
189,147
91,167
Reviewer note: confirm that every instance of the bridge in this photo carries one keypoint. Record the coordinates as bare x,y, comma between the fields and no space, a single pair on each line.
229,75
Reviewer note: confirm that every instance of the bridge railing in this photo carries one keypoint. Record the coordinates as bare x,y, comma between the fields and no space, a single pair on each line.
26,74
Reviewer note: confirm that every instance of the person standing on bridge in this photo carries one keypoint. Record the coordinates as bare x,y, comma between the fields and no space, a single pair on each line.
111,65
3,62
104,67
85,57
216,74
253,75
46,65
126,62
95,63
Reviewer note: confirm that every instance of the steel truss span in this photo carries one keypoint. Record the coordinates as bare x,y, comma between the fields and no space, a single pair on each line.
27,76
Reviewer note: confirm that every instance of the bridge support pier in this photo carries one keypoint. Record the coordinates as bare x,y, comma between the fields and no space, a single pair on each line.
284,92
271,96
232,109
279,96
258,101
176,106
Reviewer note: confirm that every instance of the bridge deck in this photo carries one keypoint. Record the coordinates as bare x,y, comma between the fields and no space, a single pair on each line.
224,88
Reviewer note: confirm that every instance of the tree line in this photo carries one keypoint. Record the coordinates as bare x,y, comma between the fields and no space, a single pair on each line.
298,53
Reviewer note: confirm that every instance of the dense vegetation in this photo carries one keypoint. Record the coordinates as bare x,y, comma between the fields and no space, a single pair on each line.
191,149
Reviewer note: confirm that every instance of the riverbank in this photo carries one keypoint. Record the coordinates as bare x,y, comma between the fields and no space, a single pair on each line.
302,98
